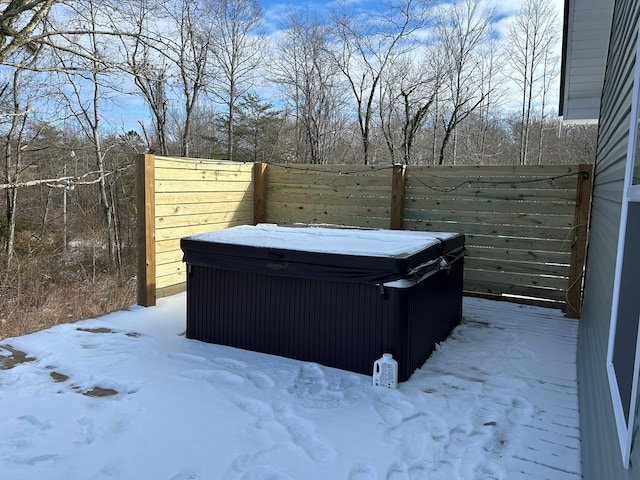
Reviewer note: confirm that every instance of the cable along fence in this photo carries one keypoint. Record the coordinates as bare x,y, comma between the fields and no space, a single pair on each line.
525,226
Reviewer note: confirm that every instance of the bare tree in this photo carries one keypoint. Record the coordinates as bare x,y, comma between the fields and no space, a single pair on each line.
493,91
407,95
238,50
191,58
550,72
12,159
145,59
367,46
85,78
532,36
310,82
462,31
19,20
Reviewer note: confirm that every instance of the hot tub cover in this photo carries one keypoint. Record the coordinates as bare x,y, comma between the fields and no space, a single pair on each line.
338,254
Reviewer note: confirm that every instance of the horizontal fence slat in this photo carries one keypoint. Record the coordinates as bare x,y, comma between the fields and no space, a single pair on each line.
483,229
201,164
288,217
303,196
336,169
515,266
454,183
489,205
541,244
167,245
201,208
171,269
170,256
210,197
502,254
522,279
233,215
333,181
175,186
514,284
478,286
314,210
490,218
509,171
170,280
180,232
201,175
483,193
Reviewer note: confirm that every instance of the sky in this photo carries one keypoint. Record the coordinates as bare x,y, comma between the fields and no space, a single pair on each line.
275,11
132,109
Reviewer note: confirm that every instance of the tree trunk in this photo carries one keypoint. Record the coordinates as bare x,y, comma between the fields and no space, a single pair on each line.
12,167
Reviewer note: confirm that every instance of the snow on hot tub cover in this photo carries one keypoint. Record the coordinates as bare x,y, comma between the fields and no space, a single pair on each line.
321,253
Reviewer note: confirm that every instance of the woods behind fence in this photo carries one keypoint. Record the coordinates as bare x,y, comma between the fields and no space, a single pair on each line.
525,226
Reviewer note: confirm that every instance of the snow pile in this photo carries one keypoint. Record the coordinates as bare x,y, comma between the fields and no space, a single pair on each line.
127,396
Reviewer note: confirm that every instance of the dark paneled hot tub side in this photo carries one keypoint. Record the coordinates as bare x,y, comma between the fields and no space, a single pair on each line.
342,310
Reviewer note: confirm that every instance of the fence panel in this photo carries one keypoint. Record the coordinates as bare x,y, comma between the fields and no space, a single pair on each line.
518,220
354,195
525,225
193,196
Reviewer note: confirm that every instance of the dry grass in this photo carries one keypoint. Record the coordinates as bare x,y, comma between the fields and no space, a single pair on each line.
39,293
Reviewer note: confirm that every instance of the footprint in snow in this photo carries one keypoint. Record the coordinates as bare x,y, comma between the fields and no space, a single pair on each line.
259,409
188,357
261,380
521,411
389,414
397,471
363,471
266,419
427,470
34,424
418,435
280,453
186,475
318,388
215,376
391,407
87,431
303,433
230,363
265,473
112,470
488,472
48,459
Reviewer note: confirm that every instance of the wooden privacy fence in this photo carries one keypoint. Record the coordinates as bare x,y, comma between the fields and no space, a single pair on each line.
526,226
177,197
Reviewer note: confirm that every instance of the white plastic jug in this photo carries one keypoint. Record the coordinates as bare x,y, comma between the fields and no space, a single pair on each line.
385,372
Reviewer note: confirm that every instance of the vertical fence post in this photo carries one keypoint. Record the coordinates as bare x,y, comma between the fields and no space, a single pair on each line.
397,197
259,193
146,238
580,238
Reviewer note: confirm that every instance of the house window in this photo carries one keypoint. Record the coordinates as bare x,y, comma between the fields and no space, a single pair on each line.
623,356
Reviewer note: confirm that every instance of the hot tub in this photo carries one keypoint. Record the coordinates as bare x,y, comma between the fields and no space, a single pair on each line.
338,297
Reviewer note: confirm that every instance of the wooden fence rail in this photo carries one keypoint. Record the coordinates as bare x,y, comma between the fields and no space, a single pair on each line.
526,226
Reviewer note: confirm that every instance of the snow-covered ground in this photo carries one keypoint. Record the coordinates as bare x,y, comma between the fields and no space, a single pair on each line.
127,396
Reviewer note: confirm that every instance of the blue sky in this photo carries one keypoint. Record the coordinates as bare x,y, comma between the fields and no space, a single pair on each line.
275,10
275,13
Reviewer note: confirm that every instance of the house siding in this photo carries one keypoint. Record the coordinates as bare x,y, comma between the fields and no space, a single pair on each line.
601,457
